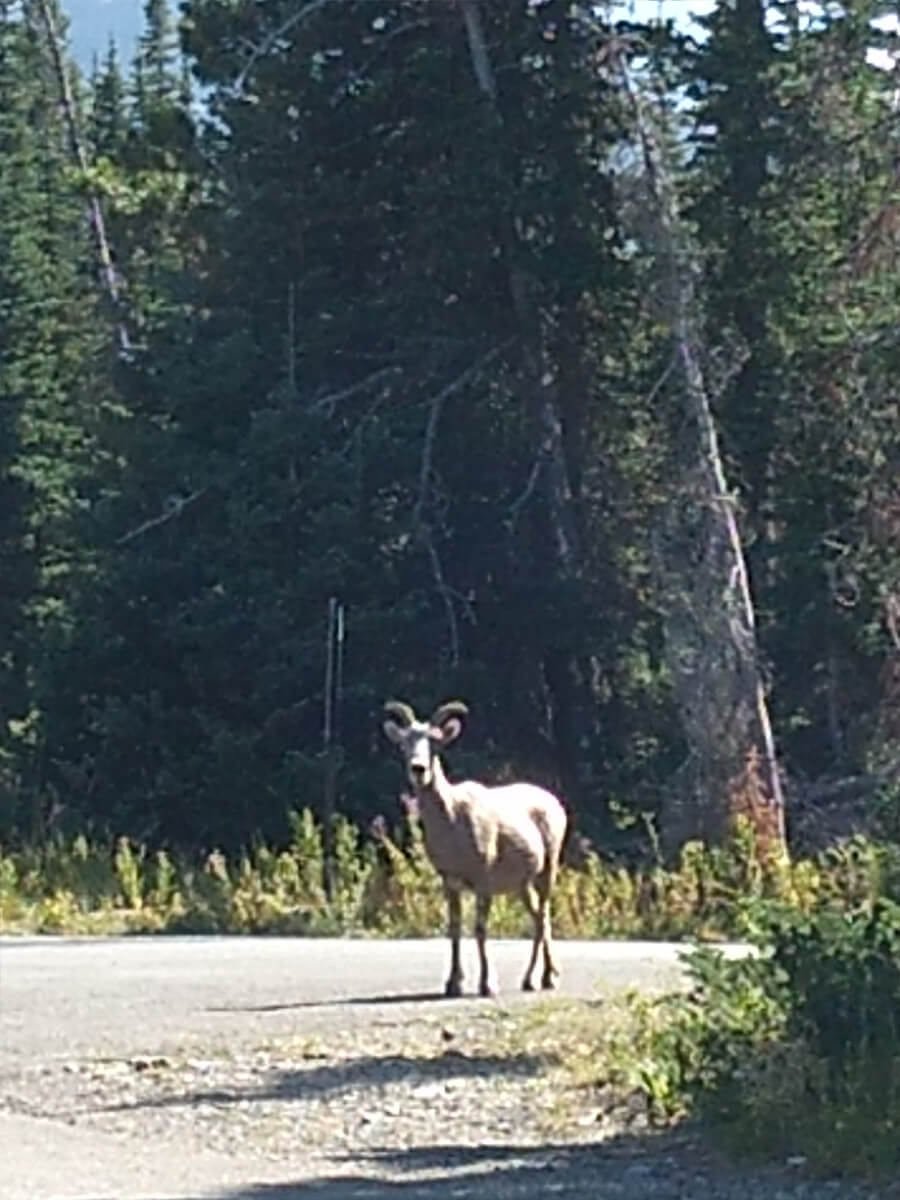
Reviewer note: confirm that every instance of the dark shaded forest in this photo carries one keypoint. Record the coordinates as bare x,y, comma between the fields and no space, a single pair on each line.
561,352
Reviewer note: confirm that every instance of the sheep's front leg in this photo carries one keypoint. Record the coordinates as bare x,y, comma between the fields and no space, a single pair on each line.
482,912
454,928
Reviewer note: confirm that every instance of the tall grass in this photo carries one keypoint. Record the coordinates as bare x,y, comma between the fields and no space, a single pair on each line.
383,884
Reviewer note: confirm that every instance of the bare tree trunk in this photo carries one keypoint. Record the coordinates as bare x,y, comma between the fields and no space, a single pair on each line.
564,675
95,212
709,616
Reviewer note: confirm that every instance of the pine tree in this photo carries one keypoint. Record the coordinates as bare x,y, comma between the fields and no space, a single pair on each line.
52,388
162,125
158,56
348,413
739,137
109,115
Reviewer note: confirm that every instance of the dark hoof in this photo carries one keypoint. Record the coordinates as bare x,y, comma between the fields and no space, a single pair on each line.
485,989
453,989
548,981
527,985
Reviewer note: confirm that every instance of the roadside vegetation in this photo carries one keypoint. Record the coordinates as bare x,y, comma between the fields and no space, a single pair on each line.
792,1054
382,883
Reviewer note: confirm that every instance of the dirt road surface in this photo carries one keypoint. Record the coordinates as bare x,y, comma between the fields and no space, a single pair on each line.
280,1069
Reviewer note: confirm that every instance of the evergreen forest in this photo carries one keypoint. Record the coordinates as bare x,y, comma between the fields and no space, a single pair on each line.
506,350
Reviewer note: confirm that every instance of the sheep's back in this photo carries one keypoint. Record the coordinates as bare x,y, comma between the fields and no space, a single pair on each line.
517,801
515,828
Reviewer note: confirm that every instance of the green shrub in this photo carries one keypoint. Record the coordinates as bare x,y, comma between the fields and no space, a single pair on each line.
795,1052
843,973
700,1043
352,876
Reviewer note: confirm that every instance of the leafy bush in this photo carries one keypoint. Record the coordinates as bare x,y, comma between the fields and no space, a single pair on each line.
843,975
704,1040
795,1052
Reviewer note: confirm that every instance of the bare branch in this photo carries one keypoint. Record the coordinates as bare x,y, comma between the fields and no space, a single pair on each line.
519,503
837,790
663,379
332,398
342,90
423,529
444,592
268,43
297,18
434,416
348,444
481,61
175,506
891,615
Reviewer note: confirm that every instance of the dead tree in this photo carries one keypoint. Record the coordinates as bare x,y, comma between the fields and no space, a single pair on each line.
705,593
79,154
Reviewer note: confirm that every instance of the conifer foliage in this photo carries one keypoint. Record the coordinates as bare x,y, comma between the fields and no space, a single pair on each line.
397,333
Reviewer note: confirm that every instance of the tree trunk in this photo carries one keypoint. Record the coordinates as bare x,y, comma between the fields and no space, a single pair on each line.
709,619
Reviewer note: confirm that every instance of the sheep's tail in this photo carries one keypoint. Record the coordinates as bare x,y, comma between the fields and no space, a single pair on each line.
575,846
554,833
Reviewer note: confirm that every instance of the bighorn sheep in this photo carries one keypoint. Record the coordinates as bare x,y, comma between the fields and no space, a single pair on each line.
488,840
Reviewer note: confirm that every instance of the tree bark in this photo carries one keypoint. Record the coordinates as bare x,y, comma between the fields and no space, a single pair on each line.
708,609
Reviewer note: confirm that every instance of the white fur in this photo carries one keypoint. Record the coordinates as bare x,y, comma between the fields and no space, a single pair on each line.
488,840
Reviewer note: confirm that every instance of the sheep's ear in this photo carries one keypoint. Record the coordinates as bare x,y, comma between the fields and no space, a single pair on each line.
393,731
448,731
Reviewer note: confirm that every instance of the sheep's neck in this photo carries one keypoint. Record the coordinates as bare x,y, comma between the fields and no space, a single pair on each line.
438,795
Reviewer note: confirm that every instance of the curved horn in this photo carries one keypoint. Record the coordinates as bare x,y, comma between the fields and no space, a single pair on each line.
452,708
402,711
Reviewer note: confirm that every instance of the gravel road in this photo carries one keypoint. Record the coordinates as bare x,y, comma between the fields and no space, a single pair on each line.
275,1069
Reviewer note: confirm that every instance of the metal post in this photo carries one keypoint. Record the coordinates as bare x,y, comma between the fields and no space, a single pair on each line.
331,751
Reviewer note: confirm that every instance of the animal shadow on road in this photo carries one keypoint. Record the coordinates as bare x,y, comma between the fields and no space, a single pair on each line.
393,998
323,1079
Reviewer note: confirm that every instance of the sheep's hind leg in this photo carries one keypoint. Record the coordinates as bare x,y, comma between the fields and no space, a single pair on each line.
482,911
533,906
454,985
551,971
